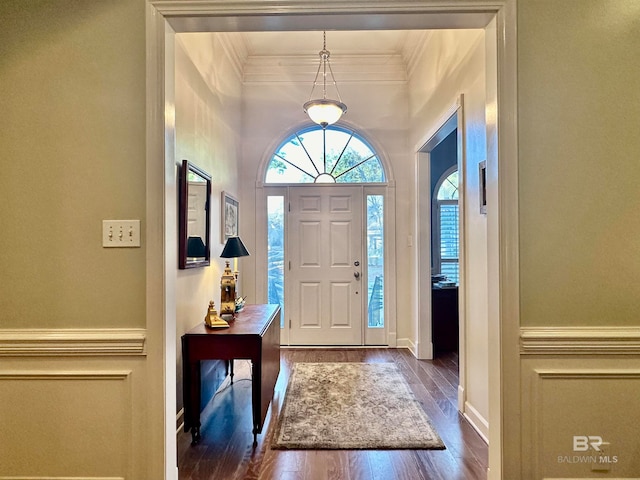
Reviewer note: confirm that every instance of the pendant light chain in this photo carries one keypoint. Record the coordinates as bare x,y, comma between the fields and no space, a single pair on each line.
324,54
324,111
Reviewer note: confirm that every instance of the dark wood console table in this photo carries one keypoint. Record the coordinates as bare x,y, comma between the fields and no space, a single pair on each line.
254,335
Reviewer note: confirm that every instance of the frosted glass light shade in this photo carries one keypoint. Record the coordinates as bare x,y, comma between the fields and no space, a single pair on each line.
324,112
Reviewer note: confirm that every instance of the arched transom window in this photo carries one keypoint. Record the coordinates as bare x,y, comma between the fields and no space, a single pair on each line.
449,187
445,235
330,155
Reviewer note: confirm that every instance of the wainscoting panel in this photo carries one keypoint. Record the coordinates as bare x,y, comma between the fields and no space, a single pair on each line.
65,422
580,416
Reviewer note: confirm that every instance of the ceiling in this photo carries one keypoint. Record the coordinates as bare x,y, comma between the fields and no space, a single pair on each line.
282,44
265,56
357,56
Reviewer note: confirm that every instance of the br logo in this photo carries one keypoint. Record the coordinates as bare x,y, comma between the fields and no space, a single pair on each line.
582,443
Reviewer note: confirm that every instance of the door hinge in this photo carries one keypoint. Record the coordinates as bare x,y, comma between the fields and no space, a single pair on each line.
289,264
289,324
289,206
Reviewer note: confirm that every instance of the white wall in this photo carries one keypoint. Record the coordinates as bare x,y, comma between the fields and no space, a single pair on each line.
451,64
207,134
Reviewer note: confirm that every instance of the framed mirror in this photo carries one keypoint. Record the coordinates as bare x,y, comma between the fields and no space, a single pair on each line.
194,217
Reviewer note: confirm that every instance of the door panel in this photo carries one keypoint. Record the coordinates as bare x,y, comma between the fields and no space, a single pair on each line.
325,234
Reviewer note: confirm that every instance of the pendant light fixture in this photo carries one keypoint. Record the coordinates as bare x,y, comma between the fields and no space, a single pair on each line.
324,111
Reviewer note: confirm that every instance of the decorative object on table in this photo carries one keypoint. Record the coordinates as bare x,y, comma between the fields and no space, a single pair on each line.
194,217
234,248
212,319
240,301
324,410
229,217
324,111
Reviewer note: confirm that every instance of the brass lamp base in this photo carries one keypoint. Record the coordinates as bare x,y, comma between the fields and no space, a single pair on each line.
227,291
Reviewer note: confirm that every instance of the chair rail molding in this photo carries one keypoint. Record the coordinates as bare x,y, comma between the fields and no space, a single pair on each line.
580,340
72,342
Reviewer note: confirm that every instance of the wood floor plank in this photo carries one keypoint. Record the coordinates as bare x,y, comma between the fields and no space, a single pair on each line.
226,451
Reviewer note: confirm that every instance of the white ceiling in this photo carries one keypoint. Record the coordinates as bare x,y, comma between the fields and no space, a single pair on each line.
282,44
357,56
384,55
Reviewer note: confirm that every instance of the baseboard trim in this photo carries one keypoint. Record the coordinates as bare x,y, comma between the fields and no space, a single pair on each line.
29,342
407,343
461,398
477,421
425,350
580,340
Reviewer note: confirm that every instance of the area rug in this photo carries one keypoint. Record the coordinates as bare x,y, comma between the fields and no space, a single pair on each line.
352,406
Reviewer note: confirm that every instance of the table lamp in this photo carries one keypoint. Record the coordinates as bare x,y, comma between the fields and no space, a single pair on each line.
234,248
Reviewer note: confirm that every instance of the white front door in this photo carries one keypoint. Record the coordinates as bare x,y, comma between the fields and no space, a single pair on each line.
325,274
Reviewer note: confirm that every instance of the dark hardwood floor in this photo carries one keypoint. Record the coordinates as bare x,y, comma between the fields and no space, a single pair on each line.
226,450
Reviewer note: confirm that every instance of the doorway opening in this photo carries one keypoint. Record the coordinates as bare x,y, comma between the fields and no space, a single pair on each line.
165,18
440,167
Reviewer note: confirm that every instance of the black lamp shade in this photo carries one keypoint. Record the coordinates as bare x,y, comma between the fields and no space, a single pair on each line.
234,248
195,247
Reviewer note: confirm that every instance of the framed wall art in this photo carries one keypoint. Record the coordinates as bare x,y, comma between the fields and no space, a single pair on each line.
229,217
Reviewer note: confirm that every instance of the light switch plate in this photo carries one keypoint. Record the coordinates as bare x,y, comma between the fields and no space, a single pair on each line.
121,233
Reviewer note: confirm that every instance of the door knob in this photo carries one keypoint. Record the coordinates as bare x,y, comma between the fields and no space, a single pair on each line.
356,274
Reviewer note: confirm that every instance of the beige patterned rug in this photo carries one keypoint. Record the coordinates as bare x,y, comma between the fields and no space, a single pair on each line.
352,406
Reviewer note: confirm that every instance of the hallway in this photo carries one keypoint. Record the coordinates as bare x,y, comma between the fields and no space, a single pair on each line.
226,453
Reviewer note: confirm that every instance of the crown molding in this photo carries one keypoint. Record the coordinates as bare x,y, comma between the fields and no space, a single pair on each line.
413,49
580,340
346,69
72,342
235,48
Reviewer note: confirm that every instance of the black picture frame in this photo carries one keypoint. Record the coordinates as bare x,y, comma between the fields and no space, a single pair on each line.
194,217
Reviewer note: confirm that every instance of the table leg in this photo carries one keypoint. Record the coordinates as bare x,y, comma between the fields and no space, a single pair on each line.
231,368
256,390
192,392
195,435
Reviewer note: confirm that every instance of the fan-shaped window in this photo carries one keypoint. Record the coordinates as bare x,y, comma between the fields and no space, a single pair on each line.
330,155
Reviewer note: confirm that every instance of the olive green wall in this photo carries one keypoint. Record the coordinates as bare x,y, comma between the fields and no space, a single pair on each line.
579,157
72,150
